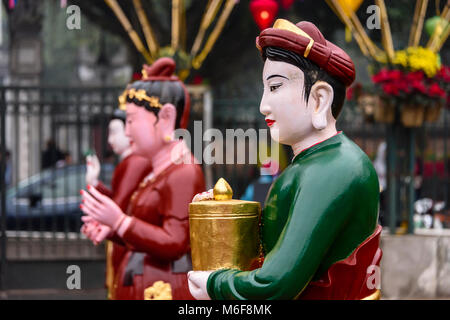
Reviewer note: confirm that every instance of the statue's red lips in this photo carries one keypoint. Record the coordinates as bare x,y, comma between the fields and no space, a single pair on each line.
270,122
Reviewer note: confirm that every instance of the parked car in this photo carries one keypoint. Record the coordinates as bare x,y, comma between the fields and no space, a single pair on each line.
49,200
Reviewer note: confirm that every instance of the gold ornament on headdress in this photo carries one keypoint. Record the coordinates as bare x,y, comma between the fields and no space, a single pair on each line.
140,95
283,24
144,74
123,100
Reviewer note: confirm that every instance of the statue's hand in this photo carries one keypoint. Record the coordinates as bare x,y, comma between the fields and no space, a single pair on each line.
197,281
207,195
94,230
92,170
101,208
88,227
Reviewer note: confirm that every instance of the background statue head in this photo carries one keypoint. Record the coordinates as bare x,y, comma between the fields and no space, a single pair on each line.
155,106
117,139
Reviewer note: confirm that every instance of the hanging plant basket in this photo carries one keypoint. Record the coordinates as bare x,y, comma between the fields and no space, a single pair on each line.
385,111
367,103
412,115
417,92
433,111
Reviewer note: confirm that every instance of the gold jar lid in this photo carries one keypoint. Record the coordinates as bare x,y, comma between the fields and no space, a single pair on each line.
226,207
223,204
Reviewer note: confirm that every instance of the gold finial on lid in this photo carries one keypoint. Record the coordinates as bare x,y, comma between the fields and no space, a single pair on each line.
222,190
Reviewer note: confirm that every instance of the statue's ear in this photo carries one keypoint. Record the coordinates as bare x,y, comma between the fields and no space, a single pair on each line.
167,117
321,99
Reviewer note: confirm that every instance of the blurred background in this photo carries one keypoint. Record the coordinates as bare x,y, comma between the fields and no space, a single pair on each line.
64,63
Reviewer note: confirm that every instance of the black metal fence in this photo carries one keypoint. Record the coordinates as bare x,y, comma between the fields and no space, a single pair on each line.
46,133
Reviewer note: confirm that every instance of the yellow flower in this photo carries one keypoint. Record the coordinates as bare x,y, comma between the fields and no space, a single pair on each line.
416,59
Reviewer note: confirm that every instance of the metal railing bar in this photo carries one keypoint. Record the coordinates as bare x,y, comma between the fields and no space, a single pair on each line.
3,237
17,155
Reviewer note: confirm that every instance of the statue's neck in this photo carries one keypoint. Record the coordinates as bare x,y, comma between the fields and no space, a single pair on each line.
313,139
168,154
125,154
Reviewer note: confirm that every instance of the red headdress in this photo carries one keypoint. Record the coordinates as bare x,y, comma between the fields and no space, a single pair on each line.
162,70
305,39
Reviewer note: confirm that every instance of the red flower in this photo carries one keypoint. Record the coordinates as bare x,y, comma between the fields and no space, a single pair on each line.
353,91
436,91
137,76
414,76
418,86
198,79
388,76
444,73
390,89
396,75
403,85
382,76
349,93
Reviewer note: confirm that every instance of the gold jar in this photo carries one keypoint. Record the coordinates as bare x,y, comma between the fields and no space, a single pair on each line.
224,232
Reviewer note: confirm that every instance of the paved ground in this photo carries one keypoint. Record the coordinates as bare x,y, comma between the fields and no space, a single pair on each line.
92,294
53,294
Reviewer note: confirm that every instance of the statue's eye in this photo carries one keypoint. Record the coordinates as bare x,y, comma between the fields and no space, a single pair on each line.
274,87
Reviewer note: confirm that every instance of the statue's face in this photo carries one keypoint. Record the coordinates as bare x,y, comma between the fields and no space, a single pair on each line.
117,139
283,103
144,133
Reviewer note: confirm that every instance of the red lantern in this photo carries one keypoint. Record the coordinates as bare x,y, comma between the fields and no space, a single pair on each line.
286,4
264,12
137,76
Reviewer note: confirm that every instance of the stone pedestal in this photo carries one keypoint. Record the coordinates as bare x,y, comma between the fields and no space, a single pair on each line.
416,266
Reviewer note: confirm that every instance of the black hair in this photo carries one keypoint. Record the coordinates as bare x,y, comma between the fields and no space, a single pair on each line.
312,73
167,91
120,115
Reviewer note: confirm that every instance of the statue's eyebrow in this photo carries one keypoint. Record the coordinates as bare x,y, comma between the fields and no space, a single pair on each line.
276,75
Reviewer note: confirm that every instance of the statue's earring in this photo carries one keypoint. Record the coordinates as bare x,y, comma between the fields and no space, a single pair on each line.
168,138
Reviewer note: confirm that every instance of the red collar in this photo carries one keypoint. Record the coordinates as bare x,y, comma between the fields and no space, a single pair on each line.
315,144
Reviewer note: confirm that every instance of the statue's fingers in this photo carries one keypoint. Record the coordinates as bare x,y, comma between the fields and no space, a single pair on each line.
93,203
88,230
95,210
102,235
89,160
87,210
95,160
86,195
87,219
101,197
207,195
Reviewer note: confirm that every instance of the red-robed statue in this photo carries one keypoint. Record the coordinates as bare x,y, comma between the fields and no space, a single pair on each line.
155,228
126,177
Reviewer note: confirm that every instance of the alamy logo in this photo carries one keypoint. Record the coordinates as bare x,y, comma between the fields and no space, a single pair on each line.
74,280
374,280
373,22
74,20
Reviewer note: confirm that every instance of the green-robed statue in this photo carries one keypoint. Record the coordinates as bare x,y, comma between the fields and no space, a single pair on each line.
319,230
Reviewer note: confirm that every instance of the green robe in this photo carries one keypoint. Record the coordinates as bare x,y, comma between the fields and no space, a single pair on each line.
319,210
